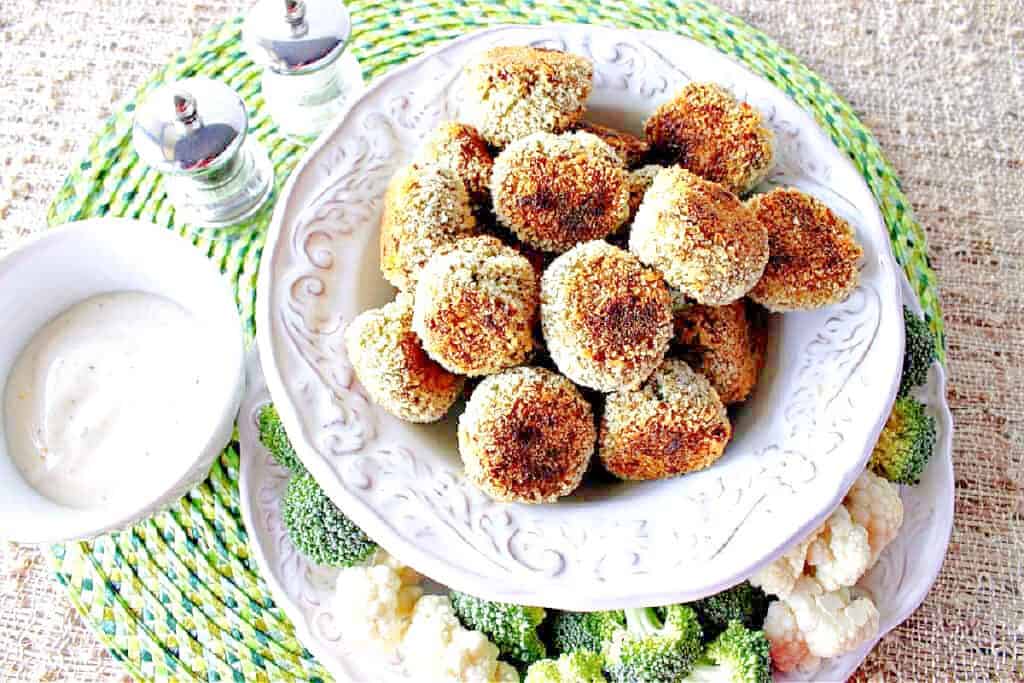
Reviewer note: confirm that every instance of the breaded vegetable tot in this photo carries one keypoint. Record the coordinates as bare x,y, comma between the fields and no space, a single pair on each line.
555,191
425,207
919,352
631,149
640,180
906,443
513,628
700,236
515,91
705,130
814,252
476,304
527,435
607,319
394,369
460,149
721,343
675,423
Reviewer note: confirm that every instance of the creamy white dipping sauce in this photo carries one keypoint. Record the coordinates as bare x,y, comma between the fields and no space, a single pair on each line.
106,403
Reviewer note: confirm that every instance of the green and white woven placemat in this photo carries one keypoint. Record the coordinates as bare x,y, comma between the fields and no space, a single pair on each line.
177,596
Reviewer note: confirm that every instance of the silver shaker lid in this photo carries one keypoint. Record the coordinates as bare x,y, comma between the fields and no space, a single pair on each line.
190,127
296,36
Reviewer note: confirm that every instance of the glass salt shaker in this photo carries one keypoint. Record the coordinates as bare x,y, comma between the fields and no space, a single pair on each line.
194,132
308,74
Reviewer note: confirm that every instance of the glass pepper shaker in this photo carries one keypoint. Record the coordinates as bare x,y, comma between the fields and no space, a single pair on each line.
194,132
308,74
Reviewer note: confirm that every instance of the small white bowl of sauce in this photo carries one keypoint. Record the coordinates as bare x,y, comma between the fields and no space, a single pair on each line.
121,372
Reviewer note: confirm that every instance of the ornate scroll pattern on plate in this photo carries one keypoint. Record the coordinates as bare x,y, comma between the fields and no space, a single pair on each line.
421,496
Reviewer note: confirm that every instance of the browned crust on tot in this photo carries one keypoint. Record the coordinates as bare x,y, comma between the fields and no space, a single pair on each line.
674,424
631,149
707,131
721,343
422,371
813,253
557,194
460,148
529,436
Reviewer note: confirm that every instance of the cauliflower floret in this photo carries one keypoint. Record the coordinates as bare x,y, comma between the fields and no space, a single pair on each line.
505,673
839,555
788,648
374,603
778,577
875,504
437,648
832,622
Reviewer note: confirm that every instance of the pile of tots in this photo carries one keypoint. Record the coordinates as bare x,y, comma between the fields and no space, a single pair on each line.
590,291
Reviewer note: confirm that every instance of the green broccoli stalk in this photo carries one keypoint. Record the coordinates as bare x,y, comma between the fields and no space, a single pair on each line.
905,444
572,631
319,529
743,603
738,655
581,666
513,628
651,651
273,436
919,352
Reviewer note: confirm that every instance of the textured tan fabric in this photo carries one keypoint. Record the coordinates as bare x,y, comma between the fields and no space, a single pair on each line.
941,84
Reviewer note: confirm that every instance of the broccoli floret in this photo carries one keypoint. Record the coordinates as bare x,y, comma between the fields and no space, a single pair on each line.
273,436
580,666
919,352
318,528
905,444
743,603
651,651
513,628
738,655
572,631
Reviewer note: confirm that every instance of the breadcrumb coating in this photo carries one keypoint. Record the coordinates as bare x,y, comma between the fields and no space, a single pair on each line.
640,181
460,149
607,320
702,238
723,344
673,424
476,304
425,207
515,91
556,191
394,369
814,253
527,436
704,129
631,149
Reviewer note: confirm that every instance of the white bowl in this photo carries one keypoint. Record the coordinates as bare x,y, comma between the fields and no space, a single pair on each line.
799,442
68,264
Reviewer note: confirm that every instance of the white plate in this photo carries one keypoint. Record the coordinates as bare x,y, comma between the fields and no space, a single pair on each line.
898,583
799,442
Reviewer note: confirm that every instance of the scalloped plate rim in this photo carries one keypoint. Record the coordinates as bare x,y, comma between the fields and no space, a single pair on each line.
378,527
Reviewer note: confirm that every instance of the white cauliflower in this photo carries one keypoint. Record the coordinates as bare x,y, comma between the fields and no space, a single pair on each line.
374,603
875,504
832,622
779,577
437,648
839,555
789,650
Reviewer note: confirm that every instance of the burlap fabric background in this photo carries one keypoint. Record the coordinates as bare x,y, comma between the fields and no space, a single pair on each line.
940,83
